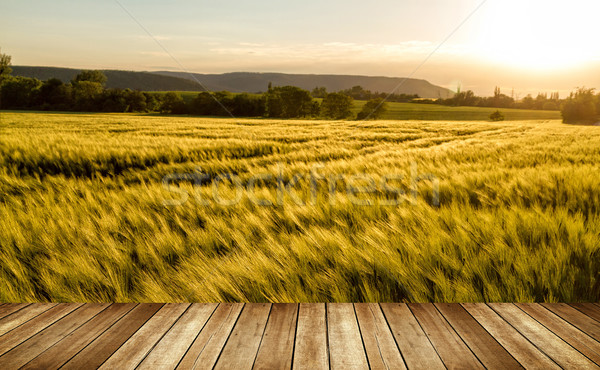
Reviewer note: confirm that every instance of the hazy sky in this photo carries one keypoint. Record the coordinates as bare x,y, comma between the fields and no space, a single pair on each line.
526,45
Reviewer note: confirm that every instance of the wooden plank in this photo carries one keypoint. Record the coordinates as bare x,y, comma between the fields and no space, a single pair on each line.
43,340
491,354
417,350
277,346
208,345
311,337
346,350
576,318
242,346
108,342
61,352
25,331
589,309
575,337
380,346
173,346
9,308
132,352
19,317
557,349
515,343
450,347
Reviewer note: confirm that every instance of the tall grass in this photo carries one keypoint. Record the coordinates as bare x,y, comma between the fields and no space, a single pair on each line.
82,215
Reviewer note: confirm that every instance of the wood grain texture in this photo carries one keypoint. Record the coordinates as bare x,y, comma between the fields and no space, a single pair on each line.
69,346
448,344
10,308
576,318
553,346
28,329
491,354
132,352
416,349
516,344
242,346
43,340
206,348
567,332
277,346
23,315
94,355
311,350
380,346
299,336
346,349
590,309
173,346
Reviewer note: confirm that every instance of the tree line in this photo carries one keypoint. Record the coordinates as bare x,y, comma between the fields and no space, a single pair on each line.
500,100
87,93
359,93
582,106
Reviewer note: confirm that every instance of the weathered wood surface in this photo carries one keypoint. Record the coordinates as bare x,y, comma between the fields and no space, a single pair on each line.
302,336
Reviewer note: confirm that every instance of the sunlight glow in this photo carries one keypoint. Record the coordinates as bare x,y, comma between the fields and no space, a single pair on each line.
540,35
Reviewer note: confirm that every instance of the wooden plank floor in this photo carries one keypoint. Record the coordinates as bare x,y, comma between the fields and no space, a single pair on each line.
303,336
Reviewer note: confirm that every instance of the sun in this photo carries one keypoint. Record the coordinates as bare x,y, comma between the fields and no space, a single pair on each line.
539,35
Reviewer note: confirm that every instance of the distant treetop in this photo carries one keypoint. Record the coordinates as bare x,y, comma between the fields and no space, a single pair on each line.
91,76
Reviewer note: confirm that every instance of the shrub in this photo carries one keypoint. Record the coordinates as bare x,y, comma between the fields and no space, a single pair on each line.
497,116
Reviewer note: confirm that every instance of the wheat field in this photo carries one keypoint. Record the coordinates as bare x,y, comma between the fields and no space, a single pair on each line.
92,209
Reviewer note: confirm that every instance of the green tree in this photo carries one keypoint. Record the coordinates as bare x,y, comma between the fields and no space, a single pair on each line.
202,104
86,95
152,103
358,93
465,98
55,95
5,69
246,105
19,92
527,102
315,109
373,109
136,101
319,92
550,105
288,102
91,76
581,107
114,100
336,106
172,102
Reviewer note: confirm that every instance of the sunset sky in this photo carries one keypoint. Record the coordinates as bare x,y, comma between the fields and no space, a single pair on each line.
530,46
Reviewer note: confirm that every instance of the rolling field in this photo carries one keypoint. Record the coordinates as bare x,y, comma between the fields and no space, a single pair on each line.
435,112
120,207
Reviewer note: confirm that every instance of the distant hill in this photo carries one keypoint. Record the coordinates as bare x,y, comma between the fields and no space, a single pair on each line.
144,81
258,82
239,81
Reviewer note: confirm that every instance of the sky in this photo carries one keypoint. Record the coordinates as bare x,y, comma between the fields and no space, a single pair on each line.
522,46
